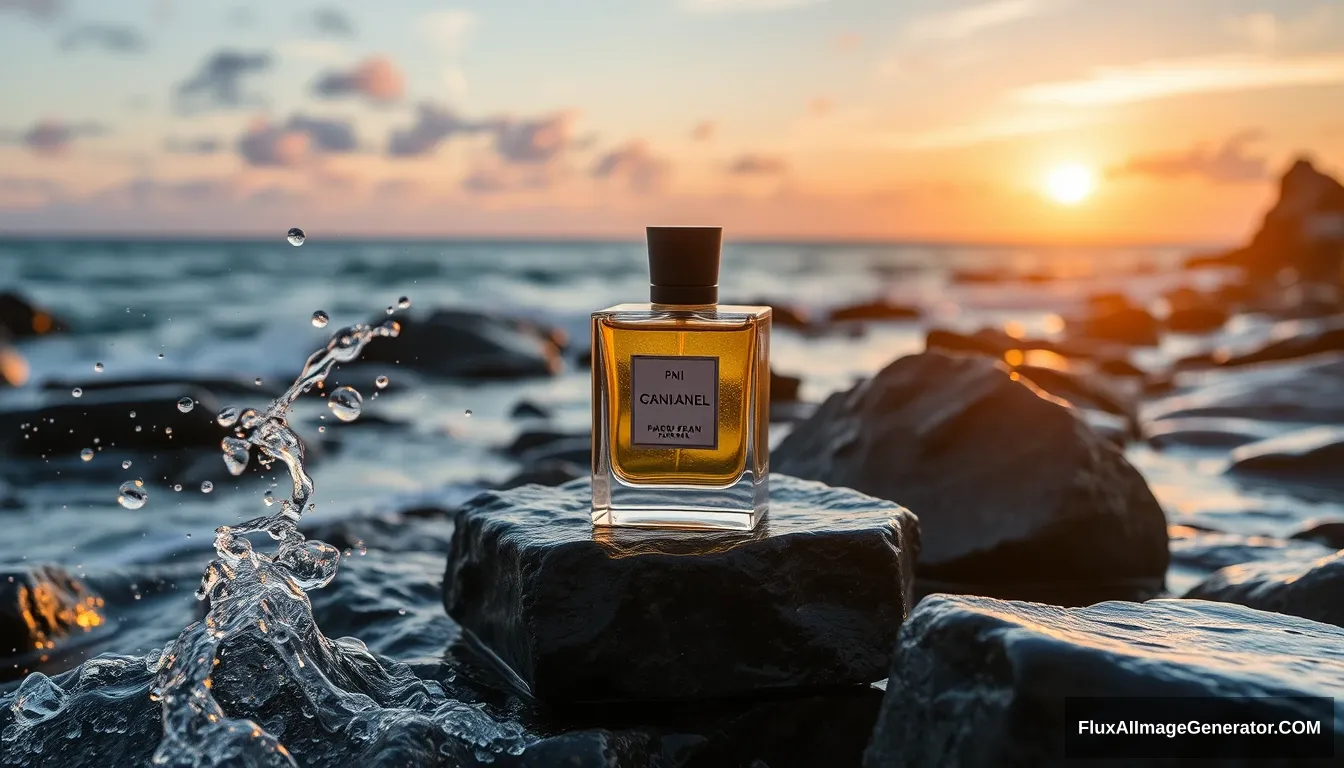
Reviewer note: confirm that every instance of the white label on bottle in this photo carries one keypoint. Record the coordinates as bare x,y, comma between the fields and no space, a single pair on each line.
674,402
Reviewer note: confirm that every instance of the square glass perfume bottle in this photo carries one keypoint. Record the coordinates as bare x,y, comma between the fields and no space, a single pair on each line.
681,397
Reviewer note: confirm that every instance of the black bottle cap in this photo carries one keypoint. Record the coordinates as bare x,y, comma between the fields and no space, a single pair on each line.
684,264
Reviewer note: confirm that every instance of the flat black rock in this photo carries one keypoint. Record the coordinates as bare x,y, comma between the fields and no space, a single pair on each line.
1313,456
1302,391
813,597
1308,588
1016,496
982,682
470,345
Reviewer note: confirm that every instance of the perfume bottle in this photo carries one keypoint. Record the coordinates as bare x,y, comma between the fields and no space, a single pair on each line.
681,397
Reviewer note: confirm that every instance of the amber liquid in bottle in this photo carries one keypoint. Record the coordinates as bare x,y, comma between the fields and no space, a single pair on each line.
681,415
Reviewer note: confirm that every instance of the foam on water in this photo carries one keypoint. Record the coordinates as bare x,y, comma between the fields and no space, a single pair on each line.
255,682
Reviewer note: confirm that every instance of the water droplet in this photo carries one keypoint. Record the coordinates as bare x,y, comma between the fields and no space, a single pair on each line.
296,236
132,494
228,416
126,464
207,486
468,413
132,414
404,302
320,319
138,427
177,486
186,404
160,355
97,367
321,429
257,381
248,419
76,392
345,403
235,455
167,430
86,454
268,499
380,382
390,310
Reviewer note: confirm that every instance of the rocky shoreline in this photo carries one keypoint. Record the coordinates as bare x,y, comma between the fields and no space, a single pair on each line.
968,524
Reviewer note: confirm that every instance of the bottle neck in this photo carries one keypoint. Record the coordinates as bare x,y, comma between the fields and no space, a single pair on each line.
684,295
665,307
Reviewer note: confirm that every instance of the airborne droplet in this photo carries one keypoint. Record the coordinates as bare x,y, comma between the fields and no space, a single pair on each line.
86,454
257,381
97,367
380,382
228,416
76,392
207,486
320,319
296,236
132,494
186,404
346,403
126,464
404,302
467,413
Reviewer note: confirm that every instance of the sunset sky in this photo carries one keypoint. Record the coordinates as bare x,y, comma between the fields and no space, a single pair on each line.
950,120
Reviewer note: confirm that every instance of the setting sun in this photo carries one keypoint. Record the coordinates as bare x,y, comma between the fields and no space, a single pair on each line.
1070,184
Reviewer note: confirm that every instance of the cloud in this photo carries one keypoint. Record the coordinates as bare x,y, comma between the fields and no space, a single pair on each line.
497,178
969,20
111,37
204,145
704,131
219,83
291,144
758,165
433,125
729,6
52,138
535,141
1226,164
994,128
1146,81
634,165
18,192
376,79
847,41
38,9
332,22
448,30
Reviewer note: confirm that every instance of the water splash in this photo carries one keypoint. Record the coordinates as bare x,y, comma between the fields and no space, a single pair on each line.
260,619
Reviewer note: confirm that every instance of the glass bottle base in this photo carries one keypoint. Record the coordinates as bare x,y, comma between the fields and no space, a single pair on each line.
738,507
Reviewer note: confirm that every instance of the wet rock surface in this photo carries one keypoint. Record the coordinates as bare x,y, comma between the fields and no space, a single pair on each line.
1303,391
462,344
62,423
813,597
1198,555
1314,455
982,682
874,310
1298,587
1005,481
40,607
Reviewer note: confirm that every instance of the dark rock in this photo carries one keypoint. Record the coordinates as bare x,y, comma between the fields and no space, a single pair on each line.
216,385
1210,432
64,424
1112,318
1191,311
1081,390
784,389
875,310
532,439
1120,367
1197,555
1007,483
813,597
40,606
412,530
526,409
23,319
550,473
1313,455
1301,391
1329,534
1293,339
1310,589
989,341
1303,231
782,315
469,345
977,682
